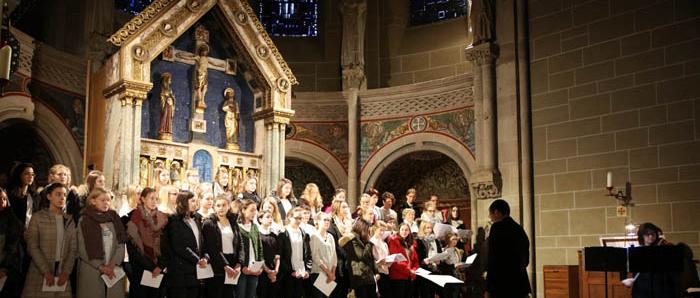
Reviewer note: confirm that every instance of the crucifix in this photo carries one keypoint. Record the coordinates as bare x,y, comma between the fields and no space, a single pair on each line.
202,63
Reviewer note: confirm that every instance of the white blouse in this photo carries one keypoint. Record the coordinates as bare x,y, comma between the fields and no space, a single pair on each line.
226,238
323,250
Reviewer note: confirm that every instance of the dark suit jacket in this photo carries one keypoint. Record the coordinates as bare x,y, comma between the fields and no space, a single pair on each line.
286,250
508,257
212,243
181,263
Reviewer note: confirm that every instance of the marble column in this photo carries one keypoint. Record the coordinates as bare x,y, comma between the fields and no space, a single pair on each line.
486,182
267,157
275,159
282,137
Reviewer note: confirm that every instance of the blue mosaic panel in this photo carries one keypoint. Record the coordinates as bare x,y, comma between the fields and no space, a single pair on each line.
203,163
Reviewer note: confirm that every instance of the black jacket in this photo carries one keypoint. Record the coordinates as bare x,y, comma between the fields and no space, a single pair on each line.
286,250
422,249
508,257
180,260
360,260
212,243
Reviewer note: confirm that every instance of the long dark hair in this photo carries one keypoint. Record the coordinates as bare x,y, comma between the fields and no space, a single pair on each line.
408,241
15,182
182,205
648,228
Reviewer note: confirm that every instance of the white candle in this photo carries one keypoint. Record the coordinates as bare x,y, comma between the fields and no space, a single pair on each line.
609,180
5,61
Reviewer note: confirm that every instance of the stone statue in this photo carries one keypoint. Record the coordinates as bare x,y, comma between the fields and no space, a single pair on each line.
481,18
200,77
167,107
231,121
143,171
352,58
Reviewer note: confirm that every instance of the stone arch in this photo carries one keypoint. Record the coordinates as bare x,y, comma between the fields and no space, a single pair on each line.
320,158
51,129
60,141
413,143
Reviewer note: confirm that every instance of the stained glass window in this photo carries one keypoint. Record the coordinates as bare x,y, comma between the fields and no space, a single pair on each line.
430,11
132,6
289,17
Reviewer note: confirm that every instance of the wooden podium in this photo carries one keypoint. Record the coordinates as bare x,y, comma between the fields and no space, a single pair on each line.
593,283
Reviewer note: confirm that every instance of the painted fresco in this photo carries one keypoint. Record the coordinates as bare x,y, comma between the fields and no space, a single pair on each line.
457,124
67,105
332,136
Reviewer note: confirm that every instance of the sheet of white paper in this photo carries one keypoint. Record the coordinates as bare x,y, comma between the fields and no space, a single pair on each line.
148,280
439,257
470,259
55,287
256,266
2,282
441,280
118,274
385,235
230,280
441,229
321,285
422,272
204,273
693,290
394,258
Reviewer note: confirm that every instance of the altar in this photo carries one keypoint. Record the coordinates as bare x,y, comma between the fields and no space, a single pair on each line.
197,86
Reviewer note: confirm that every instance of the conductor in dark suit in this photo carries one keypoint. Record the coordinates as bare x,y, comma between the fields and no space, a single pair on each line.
508,255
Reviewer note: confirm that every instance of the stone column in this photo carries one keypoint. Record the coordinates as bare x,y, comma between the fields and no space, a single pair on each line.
282,137
121,165
354,13
275,158
267,158
486,182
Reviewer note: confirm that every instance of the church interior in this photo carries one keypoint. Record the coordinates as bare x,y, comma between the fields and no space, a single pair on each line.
583,115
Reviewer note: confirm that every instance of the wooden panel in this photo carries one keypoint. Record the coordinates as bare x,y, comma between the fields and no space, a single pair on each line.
560,281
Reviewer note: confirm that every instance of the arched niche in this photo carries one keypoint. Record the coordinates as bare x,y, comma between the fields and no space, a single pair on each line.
320,158
430,173
27,146
52,132
302,172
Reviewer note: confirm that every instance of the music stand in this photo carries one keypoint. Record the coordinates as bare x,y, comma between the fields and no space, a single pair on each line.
656,260
605,259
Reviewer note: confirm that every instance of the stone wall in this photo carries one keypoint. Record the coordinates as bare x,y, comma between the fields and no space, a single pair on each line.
614,87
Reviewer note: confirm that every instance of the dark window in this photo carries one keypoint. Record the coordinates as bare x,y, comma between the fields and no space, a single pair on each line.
289,17
132,6
430,11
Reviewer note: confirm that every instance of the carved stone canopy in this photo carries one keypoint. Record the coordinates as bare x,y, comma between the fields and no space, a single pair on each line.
481,54
486,184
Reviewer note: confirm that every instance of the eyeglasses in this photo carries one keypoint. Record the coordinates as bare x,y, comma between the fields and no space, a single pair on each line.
297,217
172,193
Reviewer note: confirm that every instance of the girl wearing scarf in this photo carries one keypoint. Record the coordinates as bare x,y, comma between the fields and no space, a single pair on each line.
101,238
144,229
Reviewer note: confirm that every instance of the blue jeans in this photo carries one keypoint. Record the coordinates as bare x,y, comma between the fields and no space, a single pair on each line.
246,286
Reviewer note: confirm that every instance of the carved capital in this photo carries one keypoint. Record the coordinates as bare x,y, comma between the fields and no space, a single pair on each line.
278,116
354,77
486,184
132,92
485,53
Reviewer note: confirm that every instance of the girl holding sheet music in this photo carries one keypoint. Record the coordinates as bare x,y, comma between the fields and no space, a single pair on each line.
182,245
250,251
144,228
427,247
403,273
323,253
268,283
101,238
221,243
380,250
296,261
448,266
51,242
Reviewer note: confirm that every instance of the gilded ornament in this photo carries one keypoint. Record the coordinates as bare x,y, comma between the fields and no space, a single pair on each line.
283,84
139,52
241,17
194,5
263,51
168,28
